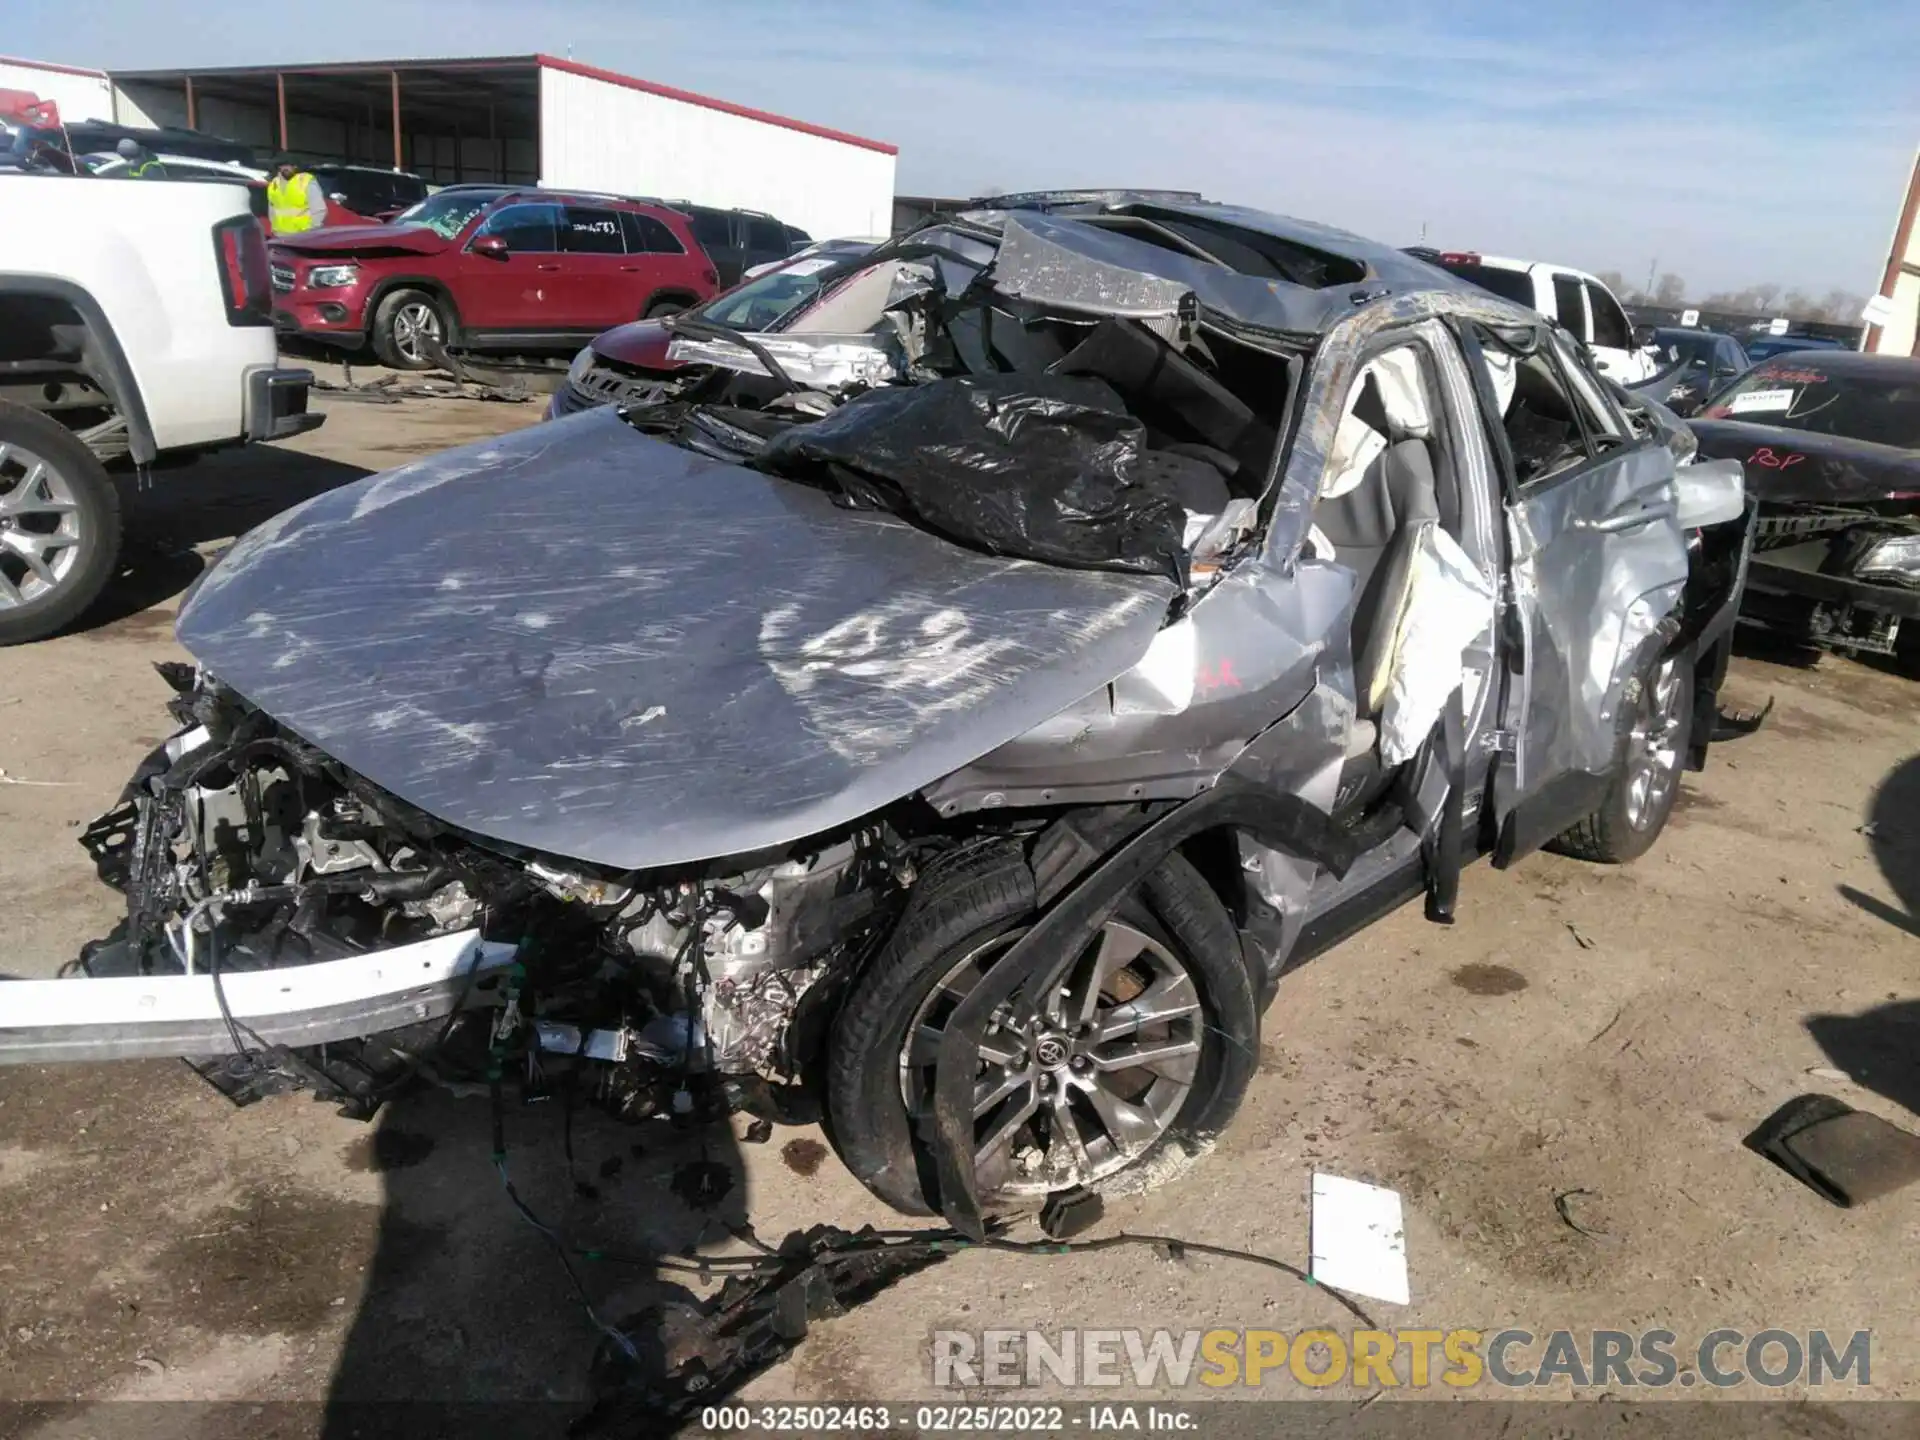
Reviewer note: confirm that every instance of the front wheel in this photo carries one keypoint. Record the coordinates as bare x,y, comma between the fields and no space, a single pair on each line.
1142,1056
59,526
1656,727
409,330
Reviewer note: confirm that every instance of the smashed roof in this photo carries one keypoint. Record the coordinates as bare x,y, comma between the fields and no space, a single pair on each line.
1139,253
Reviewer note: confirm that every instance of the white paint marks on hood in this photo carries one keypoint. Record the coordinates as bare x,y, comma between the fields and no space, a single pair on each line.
868,681
872,681
1359,1239
423,475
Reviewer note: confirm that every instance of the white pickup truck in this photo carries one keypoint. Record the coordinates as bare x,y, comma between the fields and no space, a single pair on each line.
1580,302
136,324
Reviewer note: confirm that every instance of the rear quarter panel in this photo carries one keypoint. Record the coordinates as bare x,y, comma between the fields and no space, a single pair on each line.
144,251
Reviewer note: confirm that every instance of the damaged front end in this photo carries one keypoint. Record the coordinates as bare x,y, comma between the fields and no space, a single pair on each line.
243,850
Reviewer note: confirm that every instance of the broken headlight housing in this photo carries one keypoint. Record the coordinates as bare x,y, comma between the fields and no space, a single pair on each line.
1895,559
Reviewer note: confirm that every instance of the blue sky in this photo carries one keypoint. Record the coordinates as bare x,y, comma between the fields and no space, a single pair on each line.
1735,143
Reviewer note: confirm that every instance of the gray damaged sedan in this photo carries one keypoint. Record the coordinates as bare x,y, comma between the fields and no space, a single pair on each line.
949,715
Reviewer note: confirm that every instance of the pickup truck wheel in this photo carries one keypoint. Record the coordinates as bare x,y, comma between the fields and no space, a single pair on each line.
59,526
1656,723
1141,1061
409,330
1906,649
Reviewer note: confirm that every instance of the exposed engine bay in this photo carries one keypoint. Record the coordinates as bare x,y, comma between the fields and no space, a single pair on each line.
240,848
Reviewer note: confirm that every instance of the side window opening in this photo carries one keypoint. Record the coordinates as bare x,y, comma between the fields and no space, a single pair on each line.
526,228
1610,327
649,235
1569,301
585,231
1538,409
766,235
711,229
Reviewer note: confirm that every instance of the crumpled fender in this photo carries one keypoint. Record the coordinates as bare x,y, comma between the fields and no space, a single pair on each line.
1034,962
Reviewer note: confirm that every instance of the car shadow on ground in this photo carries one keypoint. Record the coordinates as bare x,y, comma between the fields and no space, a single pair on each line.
1893,834
1880,1047
468,1309
1757,642
217,497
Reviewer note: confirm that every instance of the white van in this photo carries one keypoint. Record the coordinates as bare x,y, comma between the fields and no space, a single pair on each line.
1577,300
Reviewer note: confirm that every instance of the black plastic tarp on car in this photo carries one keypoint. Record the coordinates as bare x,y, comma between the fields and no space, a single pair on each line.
1043,467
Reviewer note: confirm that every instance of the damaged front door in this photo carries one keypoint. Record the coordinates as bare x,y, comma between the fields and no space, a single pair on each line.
1595,563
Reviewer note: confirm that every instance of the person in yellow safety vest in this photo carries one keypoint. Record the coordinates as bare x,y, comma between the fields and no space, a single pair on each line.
295,201
141,164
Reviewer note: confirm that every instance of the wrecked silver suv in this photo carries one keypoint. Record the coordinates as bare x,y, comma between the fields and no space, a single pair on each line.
949,717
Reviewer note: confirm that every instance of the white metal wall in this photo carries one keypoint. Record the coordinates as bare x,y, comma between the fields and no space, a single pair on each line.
595,135
80,97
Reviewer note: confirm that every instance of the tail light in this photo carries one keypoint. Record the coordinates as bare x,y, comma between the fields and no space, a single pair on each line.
1459,257
711,276
245,280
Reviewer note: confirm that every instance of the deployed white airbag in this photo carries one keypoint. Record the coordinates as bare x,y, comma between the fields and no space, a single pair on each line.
1449,604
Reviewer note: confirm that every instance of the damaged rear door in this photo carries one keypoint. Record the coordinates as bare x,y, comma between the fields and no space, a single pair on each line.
1595,562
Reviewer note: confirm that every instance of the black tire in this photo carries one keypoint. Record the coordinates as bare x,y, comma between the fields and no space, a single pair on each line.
1623,828
956,910
400,351
660,309
1906,648
95,516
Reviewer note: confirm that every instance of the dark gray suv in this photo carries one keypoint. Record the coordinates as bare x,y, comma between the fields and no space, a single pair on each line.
737,240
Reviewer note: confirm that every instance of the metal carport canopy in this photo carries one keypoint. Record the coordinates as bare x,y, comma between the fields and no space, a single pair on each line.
494,98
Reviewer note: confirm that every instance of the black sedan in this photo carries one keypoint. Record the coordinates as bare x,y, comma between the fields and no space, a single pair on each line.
1830,441
1692,365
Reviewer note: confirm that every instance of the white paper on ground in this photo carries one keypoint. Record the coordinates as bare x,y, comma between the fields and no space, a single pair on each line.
1359,1239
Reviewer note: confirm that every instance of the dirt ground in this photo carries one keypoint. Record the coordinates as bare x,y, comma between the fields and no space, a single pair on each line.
1604,1036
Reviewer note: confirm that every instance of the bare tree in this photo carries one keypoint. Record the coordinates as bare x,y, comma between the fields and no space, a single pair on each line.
1616,282
1841,307
1670,290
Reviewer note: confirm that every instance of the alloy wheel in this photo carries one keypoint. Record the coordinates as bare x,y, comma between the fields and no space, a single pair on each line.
1653,749
416,332
40,534
1074,1094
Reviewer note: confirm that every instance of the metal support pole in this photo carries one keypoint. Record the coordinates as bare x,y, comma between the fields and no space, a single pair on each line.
394,75
193,114
280,90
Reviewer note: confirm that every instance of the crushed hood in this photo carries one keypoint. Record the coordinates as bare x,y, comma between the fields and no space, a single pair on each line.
594,644
358,239
643,343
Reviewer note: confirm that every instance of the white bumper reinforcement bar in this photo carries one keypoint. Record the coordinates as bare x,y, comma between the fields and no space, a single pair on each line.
139,1017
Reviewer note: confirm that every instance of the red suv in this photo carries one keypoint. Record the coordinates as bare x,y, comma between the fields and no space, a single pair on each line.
486,267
